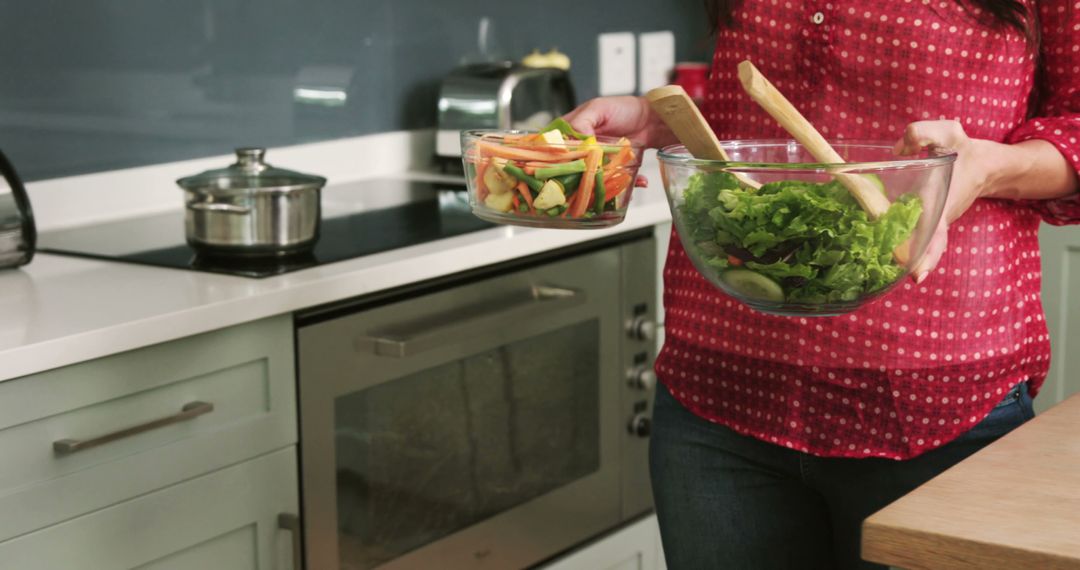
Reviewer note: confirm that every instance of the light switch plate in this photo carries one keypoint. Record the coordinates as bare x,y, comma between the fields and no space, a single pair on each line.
656,59
617,64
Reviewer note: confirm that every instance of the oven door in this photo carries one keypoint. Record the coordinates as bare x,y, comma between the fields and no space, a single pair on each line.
476,426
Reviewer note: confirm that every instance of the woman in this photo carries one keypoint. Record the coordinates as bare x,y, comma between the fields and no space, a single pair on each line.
775,437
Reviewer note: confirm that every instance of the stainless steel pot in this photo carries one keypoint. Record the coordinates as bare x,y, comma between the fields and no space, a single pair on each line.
252,208
18,234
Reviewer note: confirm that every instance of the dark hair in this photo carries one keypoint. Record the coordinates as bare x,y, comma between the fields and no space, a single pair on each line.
1000,13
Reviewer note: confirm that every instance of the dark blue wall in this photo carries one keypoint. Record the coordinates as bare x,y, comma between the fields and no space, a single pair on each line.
91,85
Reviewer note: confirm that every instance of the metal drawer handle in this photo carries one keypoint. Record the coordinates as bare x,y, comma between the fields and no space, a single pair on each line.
219,207
189,411
540,300
291,523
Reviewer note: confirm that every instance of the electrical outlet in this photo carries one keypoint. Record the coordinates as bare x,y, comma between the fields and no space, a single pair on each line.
656,60
616,63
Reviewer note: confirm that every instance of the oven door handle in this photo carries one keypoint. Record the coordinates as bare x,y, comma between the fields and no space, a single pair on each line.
420,337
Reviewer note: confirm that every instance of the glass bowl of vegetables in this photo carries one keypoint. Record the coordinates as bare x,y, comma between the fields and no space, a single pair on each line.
552,178
786,235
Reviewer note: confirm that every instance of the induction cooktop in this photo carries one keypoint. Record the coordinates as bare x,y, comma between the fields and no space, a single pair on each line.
359,219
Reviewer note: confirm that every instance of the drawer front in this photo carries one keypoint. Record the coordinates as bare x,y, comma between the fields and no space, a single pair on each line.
86,436
225,520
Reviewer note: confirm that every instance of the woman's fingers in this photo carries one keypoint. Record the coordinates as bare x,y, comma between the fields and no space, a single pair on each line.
930,134
586,117
628,117
614,116
938,242
948,135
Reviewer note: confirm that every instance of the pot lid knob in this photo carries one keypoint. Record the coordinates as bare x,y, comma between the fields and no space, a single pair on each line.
250,159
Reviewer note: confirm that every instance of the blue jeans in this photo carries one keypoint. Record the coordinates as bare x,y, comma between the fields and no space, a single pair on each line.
728,501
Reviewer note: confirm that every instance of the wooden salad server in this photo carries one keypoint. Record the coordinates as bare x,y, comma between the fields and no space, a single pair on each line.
865,191
684,119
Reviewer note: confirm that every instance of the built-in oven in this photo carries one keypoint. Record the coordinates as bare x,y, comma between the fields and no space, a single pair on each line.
490,420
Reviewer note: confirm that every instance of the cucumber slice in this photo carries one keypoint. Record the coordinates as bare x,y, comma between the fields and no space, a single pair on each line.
752,284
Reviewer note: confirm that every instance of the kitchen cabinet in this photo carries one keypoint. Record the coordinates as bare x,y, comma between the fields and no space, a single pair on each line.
89,436
1061,280
633,547
225,520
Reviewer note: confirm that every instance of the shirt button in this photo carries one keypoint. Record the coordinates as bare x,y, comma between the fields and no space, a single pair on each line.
817,18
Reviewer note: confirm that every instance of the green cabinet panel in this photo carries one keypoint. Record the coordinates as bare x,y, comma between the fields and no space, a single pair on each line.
227,519
245,373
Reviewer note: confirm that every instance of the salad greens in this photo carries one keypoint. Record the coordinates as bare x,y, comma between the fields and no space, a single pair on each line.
813,240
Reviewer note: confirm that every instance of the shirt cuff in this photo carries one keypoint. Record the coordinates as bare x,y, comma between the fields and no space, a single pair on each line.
1064,134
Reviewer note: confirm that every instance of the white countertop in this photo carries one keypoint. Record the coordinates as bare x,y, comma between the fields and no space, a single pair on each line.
61,310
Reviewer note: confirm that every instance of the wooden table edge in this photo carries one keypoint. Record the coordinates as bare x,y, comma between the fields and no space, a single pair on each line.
894,545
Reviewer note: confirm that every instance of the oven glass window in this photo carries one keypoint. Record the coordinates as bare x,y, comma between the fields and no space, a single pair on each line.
423,456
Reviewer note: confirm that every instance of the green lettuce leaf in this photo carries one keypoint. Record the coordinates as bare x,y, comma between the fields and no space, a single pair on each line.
812,238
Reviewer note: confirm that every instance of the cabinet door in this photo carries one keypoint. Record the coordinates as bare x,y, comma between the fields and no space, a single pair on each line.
1061,282
227,520
87,436
634,547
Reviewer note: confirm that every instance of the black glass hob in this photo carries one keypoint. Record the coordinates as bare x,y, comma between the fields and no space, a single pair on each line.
359,219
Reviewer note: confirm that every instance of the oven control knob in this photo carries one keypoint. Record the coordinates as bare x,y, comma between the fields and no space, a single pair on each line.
640,425
641,328
642,378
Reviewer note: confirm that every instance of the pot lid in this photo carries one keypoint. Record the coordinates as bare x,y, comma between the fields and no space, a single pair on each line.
250,172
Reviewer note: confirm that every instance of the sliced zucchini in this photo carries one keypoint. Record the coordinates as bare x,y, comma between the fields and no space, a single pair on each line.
553,137
501,202
753,285
551,195
498,180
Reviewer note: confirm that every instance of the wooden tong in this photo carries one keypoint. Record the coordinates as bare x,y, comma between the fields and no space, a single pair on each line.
866,192
684,119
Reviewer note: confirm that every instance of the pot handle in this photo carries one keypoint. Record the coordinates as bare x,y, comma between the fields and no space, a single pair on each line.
218,207
22,201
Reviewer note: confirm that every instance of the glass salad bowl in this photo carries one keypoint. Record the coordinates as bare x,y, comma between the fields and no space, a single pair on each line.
554,178
783,234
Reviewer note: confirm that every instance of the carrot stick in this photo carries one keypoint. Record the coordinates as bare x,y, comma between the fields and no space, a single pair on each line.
588,180
557,149
570,204
624,156
481,188
524,138
530,170
516,203
616,184
523,189
511,153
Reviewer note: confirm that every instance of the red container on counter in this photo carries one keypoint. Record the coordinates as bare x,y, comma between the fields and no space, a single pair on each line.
693,77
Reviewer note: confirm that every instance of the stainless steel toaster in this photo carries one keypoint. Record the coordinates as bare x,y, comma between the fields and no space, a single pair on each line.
499,95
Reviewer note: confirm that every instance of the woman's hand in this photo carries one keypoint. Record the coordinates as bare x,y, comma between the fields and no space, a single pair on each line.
970,179
1030,170
629,117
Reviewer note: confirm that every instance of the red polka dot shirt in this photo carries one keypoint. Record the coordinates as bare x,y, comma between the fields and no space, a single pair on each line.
923,364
